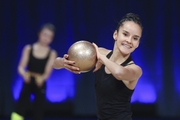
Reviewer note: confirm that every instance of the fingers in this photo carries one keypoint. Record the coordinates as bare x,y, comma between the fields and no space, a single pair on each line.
96,47
69,62
74,71
39,81
66,56
26,80
95,69
39,84
97,50
98,65
70,67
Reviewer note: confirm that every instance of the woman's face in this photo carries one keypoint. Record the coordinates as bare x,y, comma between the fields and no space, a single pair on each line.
127,37
46,36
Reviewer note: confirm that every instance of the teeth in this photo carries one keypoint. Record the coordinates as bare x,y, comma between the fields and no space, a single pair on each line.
128,46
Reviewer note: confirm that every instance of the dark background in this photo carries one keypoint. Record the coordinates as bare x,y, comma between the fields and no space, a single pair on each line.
158,91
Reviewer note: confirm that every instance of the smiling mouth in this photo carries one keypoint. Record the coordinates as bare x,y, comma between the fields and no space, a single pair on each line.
127,45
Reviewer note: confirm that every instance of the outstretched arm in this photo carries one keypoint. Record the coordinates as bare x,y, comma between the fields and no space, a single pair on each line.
60,63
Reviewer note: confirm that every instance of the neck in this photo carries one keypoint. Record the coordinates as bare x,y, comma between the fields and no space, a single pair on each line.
41,44
117,56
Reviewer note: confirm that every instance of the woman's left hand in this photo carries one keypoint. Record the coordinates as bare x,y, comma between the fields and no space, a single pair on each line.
99,58
39,80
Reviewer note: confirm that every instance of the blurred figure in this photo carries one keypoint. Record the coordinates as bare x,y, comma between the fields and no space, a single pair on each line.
38,58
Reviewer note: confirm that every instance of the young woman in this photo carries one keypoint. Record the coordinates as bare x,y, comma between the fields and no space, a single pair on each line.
116,73
38,58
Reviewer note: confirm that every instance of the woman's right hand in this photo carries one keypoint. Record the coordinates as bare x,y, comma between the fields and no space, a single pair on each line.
67,64
26,77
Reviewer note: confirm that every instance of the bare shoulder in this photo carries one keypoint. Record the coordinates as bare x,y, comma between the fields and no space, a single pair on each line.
53,53
27,48
104,51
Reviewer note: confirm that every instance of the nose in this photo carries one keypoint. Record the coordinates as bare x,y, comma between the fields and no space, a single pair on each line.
129,39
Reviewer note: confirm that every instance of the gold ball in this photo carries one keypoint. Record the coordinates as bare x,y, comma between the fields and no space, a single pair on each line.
84,55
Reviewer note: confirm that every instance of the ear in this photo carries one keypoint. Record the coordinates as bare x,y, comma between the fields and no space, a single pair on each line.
115,35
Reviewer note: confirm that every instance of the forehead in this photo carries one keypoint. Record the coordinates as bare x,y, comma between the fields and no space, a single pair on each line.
132,28
46,30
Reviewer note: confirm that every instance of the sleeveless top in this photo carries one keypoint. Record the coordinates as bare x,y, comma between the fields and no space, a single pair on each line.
112,96
37,65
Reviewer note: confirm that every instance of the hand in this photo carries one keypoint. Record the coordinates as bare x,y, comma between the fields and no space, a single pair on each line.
26,77
39,80
99,56
97,66
69,65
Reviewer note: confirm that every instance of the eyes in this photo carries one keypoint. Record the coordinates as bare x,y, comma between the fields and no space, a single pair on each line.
135,38
125,34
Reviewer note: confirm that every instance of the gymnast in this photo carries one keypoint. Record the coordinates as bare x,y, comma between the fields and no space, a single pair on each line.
38,58
116,74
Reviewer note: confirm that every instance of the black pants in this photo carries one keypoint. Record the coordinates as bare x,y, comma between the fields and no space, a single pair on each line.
24,100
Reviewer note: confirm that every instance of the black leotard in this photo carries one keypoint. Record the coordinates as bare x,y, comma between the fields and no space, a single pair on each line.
35,64
112,96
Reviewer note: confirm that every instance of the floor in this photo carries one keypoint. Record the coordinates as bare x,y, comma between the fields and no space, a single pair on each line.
96,119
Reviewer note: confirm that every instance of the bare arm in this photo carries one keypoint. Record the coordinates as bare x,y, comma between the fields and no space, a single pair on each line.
129,73
48,68
104,52
60,63
23,62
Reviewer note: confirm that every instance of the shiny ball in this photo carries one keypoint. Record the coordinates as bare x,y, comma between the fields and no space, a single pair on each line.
84,55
